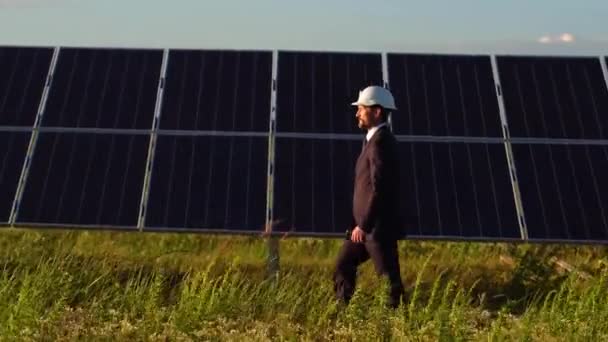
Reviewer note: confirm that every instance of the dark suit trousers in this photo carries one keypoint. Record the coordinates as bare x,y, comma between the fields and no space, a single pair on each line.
385,257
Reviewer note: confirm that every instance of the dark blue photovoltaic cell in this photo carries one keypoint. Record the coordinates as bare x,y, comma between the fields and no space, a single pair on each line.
209,182
23,73
564,190
458,190
315,90
444,95
85,179
313,185
449,190
217,90
554,97
104,88
13,148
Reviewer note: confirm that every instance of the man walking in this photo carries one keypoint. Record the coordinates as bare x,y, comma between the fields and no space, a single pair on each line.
375,200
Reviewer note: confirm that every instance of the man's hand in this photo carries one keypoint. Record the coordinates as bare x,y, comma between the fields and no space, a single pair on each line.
358,235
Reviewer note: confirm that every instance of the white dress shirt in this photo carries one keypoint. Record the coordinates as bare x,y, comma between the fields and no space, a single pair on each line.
372,131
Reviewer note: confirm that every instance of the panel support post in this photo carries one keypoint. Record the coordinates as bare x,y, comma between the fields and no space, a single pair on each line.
521,218
33,139
272,241
143,204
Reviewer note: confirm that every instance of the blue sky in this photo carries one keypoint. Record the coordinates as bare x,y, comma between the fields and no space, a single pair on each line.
465,26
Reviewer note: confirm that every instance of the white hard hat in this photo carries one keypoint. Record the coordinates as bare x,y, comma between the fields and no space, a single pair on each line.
375,95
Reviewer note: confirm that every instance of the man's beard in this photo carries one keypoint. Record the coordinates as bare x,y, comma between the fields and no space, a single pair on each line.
362,125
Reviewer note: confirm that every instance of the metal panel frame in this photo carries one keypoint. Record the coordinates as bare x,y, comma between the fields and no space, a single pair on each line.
544,141
33,139
604,69
272,128
297,135
387,84
143,204
225,232
521,217
15,129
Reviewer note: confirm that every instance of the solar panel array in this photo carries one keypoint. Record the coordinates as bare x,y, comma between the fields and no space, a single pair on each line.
491,148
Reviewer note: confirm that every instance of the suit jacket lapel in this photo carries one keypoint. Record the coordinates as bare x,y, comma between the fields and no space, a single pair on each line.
371,140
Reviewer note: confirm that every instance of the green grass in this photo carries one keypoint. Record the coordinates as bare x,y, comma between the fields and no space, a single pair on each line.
72,285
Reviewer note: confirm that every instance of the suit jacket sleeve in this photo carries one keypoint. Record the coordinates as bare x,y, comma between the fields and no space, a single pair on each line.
379,163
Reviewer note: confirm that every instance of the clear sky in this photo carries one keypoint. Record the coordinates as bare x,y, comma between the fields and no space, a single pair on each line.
456,26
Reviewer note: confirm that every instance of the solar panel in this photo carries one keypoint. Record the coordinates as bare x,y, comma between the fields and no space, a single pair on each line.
314,90
549,99
85,179
443,95
313,184
24,72
13,147
104,88
449,190
209,182
217,90
555,97
564,190
458,190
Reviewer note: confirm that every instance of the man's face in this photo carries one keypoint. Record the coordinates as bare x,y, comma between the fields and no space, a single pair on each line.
367,117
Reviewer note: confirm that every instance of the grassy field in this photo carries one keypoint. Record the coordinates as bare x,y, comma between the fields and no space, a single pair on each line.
69,285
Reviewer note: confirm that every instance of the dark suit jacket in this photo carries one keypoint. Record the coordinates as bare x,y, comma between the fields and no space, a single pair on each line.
376,202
